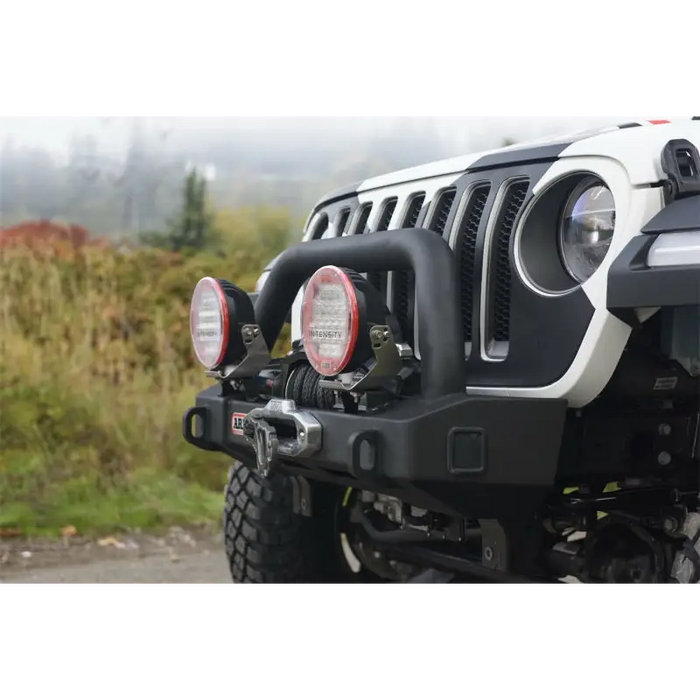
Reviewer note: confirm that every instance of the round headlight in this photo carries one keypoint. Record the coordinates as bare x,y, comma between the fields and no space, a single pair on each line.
340,308
217,312
587,229
330,321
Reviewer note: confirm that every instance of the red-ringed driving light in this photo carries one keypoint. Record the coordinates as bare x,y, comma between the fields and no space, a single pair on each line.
218,315
330,320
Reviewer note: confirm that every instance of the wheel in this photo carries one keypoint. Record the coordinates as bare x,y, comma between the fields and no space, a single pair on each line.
267,542
686,567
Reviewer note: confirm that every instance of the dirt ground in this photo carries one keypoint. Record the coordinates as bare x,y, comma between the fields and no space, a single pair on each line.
177,556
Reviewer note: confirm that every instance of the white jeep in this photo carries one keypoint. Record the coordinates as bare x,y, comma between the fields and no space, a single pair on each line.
495,373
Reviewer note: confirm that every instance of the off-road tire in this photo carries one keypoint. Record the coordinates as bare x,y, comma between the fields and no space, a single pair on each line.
267,542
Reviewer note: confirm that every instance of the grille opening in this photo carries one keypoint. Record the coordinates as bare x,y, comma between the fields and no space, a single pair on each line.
363,220
466,255
321,227
499,308
415,207
404,284
443,210
343,221
379,279
388,210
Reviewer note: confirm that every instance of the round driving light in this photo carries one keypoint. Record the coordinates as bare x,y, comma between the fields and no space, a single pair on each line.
218,311
330,321
587,229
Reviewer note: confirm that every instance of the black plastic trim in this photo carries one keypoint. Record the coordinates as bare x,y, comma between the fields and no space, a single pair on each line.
524,156
634,285
431,260
678,217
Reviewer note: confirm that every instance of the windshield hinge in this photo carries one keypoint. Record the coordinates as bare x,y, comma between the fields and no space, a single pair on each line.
680,162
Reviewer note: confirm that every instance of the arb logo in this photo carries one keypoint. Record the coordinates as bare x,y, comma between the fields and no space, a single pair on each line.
237,423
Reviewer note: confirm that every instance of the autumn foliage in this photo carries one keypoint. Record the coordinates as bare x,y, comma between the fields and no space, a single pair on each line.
40,235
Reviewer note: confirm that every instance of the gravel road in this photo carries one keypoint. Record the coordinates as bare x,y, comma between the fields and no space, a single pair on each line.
193,568
177,557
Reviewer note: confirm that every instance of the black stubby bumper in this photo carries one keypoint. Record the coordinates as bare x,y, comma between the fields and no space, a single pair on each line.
466,452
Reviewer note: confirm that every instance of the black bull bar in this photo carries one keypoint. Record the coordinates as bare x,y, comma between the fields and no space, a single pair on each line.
438,307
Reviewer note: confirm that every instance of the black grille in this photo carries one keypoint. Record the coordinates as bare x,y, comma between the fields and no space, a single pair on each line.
513,205
365,213
443,211
403,280
466,251
379,279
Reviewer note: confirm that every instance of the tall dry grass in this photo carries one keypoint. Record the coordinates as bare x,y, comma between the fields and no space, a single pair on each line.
96,370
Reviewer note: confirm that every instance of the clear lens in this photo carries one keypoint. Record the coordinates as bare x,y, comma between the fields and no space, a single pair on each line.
329,328
587,229
208,323
330,321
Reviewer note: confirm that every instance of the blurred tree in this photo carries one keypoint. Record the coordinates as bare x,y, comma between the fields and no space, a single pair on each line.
193,228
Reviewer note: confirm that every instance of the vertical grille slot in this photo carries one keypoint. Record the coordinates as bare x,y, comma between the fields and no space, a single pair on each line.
343,220
414,209
466,254
498,330
363,219
403,279
387,215
379,279
321,227
443,210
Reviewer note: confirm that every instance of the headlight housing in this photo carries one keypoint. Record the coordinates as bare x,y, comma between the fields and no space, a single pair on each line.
218,311
339,310
587,228
330,321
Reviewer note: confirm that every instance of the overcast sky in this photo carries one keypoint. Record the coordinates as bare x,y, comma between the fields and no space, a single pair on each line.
55,132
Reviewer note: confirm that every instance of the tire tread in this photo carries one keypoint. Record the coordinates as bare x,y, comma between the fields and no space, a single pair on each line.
263,535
